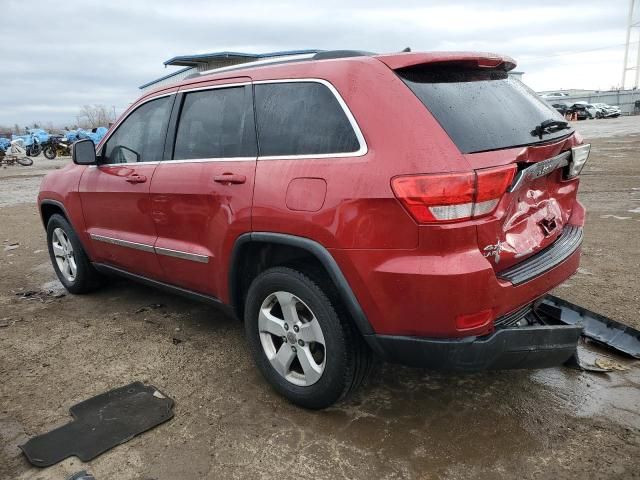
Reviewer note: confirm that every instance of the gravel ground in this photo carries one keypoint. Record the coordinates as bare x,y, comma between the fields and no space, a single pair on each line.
405,423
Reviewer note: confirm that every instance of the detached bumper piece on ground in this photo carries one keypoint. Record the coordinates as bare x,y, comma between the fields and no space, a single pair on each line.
597,327
539,335
100,423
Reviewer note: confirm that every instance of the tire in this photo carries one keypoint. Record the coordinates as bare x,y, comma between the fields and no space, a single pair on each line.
341,358
25,161
60,235
36,150
50,152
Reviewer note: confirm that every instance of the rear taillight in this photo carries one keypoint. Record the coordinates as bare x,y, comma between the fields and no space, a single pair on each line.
452,197
579,156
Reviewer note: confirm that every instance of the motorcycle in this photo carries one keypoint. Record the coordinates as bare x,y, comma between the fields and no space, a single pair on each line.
35,148
56,145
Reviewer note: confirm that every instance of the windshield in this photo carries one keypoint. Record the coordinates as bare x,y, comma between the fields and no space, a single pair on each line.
481,110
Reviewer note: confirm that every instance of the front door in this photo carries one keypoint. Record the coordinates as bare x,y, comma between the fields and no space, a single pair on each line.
201,198
115,194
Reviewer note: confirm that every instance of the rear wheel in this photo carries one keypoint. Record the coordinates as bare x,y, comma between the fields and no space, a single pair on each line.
307,351
70,262
25,161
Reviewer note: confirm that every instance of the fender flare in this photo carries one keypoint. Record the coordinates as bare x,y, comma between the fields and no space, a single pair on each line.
320,253
60,205
48,201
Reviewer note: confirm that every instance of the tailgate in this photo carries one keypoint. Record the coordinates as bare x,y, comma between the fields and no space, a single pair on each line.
536,208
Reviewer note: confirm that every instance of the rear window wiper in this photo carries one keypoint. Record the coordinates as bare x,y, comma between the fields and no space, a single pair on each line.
549,126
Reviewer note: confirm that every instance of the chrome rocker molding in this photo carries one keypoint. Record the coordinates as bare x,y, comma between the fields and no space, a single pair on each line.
194,257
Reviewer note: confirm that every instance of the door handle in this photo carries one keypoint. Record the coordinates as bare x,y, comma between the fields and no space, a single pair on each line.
229,178
135,178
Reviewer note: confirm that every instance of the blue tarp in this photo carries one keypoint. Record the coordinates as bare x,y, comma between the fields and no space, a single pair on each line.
81,134
42,136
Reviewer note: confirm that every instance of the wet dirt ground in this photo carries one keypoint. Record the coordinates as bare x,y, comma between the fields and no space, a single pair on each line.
405,423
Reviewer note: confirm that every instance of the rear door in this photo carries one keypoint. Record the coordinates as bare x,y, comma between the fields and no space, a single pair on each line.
115,194
201,196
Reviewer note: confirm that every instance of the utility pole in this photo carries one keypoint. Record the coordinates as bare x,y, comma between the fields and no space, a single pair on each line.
632,23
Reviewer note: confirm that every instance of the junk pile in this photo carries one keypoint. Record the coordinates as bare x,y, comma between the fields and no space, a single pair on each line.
36,140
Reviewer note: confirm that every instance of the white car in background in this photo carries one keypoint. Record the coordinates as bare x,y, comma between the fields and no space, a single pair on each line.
553,95
607,111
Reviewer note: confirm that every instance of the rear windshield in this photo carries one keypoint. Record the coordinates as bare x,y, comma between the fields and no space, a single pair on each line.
481,109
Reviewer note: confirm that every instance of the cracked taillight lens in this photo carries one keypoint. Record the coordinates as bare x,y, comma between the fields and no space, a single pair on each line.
453,197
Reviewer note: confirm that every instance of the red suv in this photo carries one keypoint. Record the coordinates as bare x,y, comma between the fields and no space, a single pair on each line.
411,205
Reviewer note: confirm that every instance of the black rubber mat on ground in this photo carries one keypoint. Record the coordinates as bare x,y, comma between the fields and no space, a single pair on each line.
101,423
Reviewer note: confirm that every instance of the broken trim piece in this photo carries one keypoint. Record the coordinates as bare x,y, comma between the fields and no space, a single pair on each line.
618,336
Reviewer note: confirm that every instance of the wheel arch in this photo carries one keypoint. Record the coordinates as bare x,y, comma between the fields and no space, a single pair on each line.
250,246
50,207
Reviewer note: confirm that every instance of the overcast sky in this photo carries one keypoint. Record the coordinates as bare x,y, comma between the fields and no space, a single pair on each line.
57,56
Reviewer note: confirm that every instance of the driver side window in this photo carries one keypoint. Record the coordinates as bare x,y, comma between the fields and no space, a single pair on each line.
140,138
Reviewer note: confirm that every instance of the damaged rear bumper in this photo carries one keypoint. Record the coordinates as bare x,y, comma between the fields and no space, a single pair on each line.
539,346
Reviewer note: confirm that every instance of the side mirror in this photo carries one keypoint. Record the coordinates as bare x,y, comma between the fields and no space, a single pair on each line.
84,152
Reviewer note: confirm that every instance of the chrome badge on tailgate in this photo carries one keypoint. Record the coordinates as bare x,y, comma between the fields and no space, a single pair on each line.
540,169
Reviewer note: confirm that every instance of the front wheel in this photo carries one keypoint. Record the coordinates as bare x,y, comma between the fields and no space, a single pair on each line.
25,161
50,152
70,262
306,350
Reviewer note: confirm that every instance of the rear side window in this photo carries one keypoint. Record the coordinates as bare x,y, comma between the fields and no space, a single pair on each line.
140,137
301,118
216,123
481,109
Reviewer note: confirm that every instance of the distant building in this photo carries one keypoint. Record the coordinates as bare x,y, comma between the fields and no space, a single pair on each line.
206,61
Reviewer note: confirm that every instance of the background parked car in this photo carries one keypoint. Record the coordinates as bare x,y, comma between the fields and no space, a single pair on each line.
562,107
584,110
590,110
607,111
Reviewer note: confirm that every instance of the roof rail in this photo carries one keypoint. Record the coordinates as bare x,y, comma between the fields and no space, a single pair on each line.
258,63
332,54
326,55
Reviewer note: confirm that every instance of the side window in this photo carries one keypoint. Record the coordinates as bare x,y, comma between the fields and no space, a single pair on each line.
301,118
216,123
140,138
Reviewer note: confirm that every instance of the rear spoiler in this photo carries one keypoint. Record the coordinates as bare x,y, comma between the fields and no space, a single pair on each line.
397,61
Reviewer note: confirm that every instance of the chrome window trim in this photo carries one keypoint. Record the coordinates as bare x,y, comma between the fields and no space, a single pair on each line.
213,87
215,159
363,150
113,129
112,165
194,257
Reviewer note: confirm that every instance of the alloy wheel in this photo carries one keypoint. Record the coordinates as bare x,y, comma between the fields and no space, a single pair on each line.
292,338
63,254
